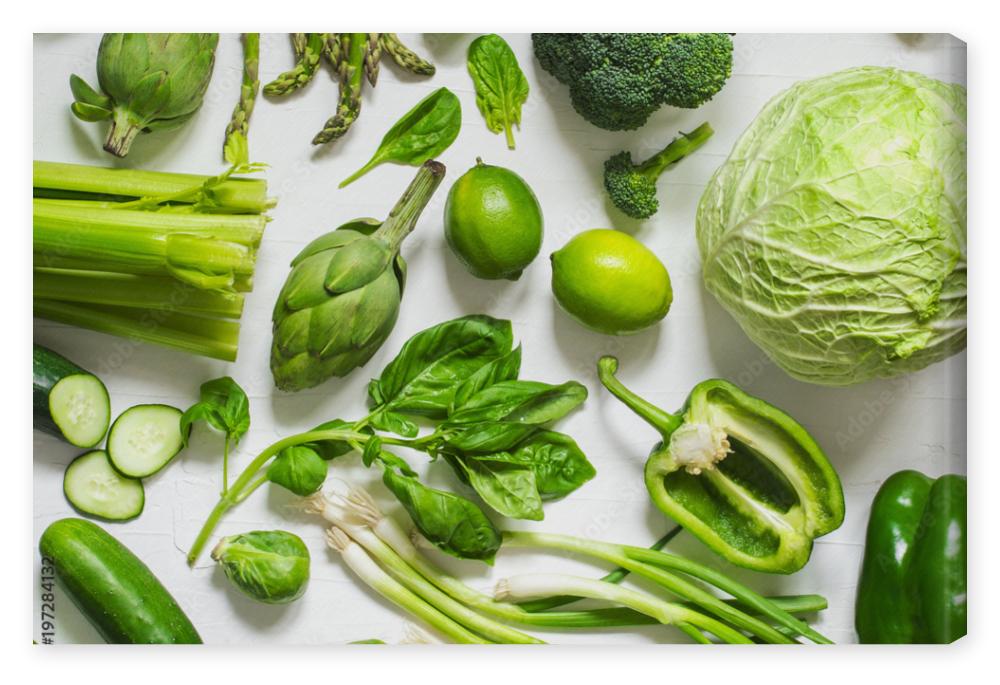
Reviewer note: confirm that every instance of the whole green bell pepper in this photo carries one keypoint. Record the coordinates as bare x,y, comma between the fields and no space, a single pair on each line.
741,475
913,578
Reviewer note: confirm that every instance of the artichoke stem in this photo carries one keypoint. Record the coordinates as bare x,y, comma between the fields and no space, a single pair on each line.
121,134
403,217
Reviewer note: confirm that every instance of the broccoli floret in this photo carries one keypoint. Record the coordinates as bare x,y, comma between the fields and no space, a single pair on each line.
632,187
617,80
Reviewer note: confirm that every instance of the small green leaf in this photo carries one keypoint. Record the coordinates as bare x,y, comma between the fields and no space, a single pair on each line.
331,449
453,523
489,436
394,423
84,94
501,87
372,449
421,134
86,112
298,469
223,405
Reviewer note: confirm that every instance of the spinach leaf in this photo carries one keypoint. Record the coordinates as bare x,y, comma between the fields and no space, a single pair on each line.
425,375
515,401
421,134
505,368
501,87
453,523
509,488
299,469
224,406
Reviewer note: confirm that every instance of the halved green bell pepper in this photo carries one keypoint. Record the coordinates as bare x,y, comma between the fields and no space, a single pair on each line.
739,474
913,578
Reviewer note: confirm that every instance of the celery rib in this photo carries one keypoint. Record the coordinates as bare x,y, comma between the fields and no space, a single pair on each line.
242,195
216,338
128,290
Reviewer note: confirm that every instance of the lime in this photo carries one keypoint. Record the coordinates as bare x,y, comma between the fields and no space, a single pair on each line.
492,222
610,282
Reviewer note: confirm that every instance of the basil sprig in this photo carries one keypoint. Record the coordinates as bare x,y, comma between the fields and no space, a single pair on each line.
489,426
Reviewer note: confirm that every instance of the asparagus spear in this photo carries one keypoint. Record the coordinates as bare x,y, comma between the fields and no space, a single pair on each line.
308,50
240,121
404,56
351,59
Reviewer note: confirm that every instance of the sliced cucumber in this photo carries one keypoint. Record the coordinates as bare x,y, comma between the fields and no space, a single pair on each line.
94,487
144,438
69,403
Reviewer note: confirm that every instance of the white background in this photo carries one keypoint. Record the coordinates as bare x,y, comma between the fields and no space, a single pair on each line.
869,431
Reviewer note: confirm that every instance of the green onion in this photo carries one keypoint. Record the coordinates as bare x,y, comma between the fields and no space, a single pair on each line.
379,581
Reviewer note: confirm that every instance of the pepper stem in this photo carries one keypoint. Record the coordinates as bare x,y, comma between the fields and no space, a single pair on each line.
403,217
662,421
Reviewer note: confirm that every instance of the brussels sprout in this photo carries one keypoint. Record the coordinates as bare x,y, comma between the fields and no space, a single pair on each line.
271,566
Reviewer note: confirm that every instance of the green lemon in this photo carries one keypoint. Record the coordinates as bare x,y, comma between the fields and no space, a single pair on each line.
610,282
492,222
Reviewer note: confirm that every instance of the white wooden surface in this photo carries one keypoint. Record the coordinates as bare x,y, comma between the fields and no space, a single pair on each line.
869,431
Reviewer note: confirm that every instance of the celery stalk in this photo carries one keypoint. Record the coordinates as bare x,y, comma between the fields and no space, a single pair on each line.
234,194
127,290
214,338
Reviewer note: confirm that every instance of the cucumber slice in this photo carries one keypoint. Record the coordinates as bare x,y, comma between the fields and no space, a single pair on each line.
93,486
80,407
69,402
144,438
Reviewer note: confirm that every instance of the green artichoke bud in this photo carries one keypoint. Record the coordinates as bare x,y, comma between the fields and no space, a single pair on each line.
149,82
341,299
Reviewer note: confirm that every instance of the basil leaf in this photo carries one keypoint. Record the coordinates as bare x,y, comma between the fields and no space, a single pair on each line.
299,469
372,450
421,134
394,423
529,402
331,449
505,368
223,405
501,87
453,523
508,488
560,466
488,437
425,375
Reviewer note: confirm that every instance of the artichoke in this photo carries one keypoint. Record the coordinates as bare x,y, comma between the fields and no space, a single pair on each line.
341,299
149,82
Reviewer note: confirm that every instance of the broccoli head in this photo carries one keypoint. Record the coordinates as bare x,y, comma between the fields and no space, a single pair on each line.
617,80
632,187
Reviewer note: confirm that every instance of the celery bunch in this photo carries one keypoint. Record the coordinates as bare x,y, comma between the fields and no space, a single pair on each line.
153,256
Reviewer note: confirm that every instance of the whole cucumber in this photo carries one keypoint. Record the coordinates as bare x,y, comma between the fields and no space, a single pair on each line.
117,593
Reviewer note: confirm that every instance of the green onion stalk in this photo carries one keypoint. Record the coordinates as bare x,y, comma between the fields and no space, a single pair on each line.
698,613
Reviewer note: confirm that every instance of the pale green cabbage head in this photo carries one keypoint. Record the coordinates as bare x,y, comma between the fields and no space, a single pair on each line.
835,232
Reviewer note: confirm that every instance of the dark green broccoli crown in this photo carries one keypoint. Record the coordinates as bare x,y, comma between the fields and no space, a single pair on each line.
631,191
694,68
617,80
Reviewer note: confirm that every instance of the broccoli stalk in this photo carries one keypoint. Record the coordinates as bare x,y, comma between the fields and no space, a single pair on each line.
632,187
